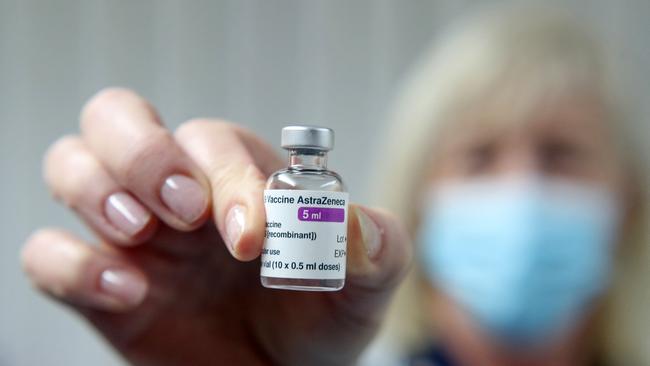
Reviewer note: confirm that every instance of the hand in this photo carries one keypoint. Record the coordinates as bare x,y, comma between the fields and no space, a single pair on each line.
174,279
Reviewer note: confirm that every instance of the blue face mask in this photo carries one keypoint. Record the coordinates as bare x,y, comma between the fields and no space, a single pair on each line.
525,258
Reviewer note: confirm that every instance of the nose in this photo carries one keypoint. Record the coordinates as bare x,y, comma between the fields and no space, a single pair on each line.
516,160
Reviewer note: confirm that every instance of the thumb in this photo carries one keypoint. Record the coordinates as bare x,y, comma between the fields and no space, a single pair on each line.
379,252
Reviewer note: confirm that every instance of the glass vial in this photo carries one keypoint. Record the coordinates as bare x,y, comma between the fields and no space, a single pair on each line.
306,212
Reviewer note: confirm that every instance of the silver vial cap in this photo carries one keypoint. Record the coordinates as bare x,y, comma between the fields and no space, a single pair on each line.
307,137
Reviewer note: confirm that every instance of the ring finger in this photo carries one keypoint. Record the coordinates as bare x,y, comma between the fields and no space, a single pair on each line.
76,177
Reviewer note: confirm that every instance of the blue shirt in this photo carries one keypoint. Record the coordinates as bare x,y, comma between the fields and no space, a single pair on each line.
433,356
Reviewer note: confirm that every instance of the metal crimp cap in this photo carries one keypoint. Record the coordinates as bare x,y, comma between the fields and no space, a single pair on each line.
307,137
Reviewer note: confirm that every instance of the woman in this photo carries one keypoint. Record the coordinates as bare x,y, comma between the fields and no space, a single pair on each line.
522,181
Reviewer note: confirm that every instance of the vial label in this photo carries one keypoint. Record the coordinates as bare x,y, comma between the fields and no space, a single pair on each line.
306,234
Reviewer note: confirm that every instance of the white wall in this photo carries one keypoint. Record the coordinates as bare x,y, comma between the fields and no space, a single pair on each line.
262,63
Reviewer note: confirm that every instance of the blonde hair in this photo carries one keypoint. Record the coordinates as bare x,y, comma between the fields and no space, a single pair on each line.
523,55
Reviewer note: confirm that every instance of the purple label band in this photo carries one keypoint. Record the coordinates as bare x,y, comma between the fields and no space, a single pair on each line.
321,214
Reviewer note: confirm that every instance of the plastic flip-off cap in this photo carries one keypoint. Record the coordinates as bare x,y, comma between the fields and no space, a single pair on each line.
307,137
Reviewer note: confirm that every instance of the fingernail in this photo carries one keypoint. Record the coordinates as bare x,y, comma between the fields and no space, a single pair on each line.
125,213
370,234
123,285
235,222
185,197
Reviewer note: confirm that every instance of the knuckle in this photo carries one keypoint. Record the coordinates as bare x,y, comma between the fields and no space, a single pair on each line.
221,175
51,245
389,215
198,126
38,245
105,101
32,246
60,148
398,247
67,168
229,178
45,235
402,263
251,173
83,264
148,155
106,97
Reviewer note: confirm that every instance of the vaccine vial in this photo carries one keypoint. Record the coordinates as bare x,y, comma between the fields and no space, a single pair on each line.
305,245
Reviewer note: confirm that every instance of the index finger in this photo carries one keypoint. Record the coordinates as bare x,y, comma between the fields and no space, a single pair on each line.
237,164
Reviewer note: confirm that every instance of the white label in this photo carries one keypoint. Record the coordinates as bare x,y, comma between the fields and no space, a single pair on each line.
306,234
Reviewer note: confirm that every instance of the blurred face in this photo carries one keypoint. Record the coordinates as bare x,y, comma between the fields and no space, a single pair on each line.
525,258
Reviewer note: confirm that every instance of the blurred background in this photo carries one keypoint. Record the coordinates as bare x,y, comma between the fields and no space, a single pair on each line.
263,64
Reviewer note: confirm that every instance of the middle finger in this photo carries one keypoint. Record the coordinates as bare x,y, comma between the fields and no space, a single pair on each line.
126,135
